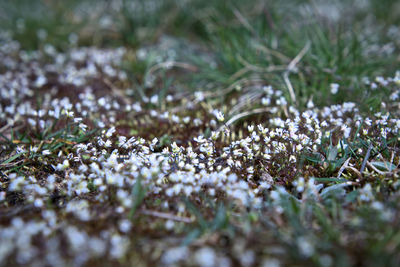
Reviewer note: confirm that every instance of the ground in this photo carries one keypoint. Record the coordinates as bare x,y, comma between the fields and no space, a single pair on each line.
183,133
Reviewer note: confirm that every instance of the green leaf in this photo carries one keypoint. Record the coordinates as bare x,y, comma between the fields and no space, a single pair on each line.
5,138
165,140
333,190
383,165
10,159
352,196
138,194
193,235
332,153
221,219
316,158
194,210
330,179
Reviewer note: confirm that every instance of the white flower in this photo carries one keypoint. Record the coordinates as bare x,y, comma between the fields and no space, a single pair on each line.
154,99
268,90
78,119
125,225
169,224
38,203
63,166
68,113
346,131
110,132
174,255
334,88
83,126
100,124
108,143
200,139
281,101
247,258
40,81
76,238
16,183
300,183
219,115
199,96
214,135
205,257
310,104
46,152
266,101
250,128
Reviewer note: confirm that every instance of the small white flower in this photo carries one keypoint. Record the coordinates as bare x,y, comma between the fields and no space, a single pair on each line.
108,143
310,104
38,203
83,126
219,115
174,255
250,128
46,152
154,99
214,135
300,183
78,119
63,166
346,131
199,96
125,225
40,81
69,113
266,101
205,257
110,132
169,224
334,88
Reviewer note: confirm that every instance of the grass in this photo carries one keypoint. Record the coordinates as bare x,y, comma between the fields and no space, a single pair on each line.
199,133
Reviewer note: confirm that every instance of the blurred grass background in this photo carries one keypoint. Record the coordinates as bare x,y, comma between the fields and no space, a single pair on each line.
248,41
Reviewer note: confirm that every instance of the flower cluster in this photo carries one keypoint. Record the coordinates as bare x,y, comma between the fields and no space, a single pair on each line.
93,163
